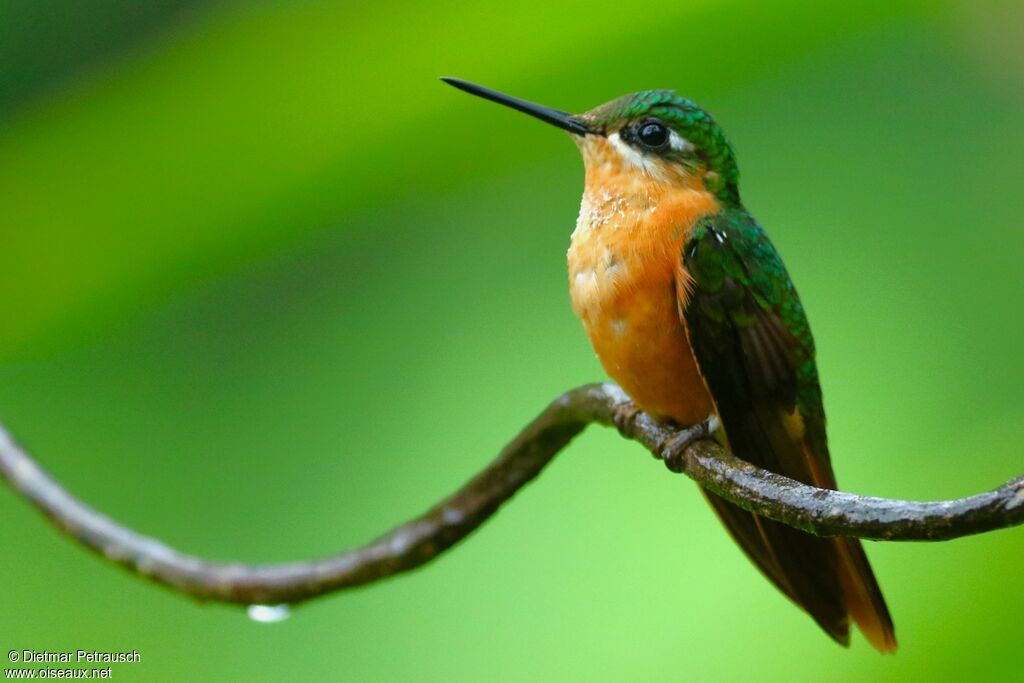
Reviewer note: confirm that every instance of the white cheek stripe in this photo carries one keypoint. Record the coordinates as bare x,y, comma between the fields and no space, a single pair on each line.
679,143
636,158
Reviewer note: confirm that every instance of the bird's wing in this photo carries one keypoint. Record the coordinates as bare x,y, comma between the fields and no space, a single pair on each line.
752,343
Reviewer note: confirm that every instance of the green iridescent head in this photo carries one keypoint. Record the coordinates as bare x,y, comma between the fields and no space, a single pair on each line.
662,124
653,125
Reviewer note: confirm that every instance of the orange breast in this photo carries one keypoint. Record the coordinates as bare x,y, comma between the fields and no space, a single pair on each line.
624,263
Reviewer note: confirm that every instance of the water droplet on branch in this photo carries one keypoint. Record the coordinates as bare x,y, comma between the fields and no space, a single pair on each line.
268,614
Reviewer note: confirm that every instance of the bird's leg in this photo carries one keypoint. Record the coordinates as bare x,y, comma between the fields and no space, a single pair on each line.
673,448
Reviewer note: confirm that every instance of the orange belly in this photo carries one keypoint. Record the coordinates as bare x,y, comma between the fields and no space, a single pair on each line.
623,267
642,345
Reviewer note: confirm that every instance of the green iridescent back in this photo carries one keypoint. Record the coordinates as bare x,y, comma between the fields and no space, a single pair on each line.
743,285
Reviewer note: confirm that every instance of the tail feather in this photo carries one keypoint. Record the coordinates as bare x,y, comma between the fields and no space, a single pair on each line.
863,596
800,565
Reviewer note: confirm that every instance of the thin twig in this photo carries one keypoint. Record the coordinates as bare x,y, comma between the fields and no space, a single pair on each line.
819,511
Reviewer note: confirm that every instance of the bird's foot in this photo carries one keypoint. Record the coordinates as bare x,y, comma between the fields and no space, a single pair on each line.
674,447
625,418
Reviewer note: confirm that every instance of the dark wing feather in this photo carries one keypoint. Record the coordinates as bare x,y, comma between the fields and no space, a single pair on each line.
754,349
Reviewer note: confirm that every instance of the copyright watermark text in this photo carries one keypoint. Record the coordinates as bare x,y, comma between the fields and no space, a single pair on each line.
82,664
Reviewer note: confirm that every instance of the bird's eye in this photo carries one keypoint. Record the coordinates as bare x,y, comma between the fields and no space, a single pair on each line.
653,134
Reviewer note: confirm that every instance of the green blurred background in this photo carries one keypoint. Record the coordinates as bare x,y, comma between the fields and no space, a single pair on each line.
270,288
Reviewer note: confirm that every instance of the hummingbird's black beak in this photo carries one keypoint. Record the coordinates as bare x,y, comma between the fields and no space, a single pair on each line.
563,120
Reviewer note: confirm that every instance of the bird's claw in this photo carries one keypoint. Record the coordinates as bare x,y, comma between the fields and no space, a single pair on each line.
673,448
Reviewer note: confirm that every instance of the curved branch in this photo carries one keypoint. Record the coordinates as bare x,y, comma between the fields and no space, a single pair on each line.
818,511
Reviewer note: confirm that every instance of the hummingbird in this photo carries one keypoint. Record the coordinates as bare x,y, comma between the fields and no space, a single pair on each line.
690,309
